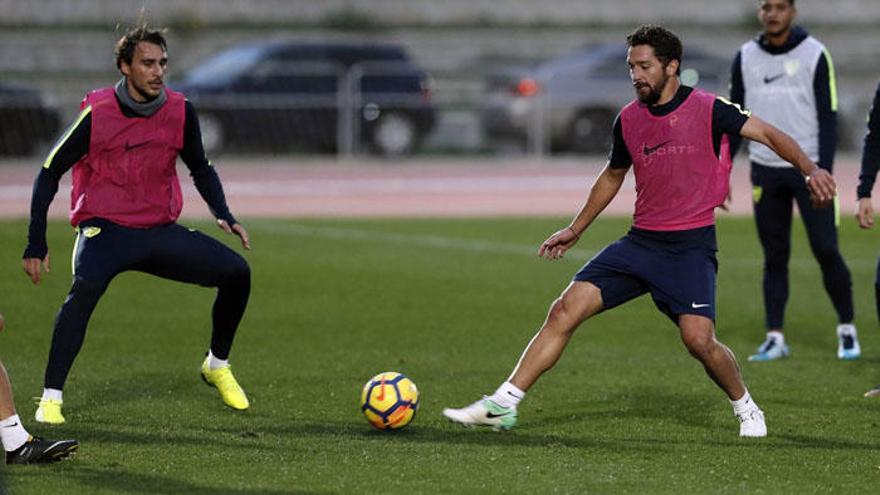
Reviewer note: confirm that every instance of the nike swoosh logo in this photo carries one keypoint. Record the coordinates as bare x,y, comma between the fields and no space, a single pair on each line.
647,150
768,80
696,306
491,415
13,425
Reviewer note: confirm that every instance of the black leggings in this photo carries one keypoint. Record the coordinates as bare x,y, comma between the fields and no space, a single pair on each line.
775,190
104,249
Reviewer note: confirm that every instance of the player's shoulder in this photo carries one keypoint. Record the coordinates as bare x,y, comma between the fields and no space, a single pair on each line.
725,104
813,42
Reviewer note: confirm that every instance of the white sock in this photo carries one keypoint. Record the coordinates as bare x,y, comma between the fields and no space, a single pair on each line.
846,329
776,335
743,404
507,395
52,394
216,363
12,433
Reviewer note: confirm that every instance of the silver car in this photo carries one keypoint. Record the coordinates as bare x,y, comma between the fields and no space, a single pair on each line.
570,102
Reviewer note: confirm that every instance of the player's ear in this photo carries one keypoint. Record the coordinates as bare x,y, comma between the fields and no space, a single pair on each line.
672,67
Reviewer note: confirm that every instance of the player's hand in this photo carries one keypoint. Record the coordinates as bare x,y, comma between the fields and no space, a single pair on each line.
822,187
236,229
33,268
865,213
557,244
728,201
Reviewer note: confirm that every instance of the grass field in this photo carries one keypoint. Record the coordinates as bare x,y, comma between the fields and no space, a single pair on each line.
450,303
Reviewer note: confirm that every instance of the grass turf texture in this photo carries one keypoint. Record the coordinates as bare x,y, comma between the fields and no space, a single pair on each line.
450,303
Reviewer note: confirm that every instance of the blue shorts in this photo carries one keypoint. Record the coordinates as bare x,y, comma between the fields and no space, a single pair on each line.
677,268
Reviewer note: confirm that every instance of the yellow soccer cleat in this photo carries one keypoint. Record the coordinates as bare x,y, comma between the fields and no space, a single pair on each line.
230,391
49,411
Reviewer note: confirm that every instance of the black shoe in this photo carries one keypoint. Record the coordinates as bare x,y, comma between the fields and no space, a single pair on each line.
38,450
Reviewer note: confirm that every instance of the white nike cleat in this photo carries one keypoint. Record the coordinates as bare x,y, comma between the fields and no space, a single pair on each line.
484,412
751,423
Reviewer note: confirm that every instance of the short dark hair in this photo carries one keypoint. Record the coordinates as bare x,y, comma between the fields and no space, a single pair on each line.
667,46
790,2
126,45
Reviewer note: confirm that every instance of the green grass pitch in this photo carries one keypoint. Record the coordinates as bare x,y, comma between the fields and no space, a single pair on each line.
450,303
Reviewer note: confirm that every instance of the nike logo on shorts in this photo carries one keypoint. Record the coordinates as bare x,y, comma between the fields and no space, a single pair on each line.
698,306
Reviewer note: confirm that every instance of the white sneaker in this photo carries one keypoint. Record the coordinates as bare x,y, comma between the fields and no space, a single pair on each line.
771,350
483,412
848,342
751,423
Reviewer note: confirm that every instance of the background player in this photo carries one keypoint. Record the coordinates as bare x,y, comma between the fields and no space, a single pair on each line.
786,77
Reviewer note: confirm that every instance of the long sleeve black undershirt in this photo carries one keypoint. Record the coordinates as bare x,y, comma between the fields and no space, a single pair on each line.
871,151
75,145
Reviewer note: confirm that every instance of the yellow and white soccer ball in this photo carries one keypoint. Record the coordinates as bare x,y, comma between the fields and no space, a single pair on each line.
389,400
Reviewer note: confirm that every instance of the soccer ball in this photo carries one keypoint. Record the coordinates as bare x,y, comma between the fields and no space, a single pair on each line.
389,400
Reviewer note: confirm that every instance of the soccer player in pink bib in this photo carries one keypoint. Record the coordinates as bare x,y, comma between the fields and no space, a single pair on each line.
676,139
126,199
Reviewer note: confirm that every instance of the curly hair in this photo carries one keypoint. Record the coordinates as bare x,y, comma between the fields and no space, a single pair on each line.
667,46
124,49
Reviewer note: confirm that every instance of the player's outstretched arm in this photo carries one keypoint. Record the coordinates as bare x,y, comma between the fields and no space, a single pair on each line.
603,191
819,181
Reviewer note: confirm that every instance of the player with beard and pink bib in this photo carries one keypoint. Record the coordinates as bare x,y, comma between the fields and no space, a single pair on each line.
676,140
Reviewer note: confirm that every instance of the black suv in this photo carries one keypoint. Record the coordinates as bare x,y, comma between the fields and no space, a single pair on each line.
293,95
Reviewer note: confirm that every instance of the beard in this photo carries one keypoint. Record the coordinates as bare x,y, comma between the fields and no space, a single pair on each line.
652,96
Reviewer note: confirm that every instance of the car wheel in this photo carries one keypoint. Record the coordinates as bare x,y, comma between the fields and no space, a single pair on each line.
212,133
394,134
590,131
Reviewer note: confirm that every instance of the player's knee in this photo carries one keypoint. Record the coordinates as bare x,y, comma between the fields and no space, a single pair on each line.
699,344
560,318
238,272
87,288
826,254
776,260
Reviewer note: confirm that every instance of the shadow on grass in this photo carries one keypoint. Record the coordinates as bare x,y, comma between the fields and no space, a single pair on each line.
75,477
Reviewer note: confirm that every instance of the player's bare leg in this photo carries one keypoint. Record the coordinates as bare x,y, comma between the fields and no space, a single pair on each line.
698,335
577,303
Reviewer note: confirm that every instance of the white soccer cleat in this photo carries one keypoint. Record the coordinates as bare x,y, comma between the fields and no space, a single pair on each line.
751,423
483,412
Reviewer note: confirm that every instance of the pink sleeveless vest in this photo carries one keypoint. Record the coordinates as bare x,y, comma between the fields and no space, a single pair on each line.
129,175
679,180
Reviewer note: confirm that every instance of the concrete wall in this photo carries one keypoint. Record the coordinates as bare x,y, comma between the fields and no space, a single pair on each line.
439,12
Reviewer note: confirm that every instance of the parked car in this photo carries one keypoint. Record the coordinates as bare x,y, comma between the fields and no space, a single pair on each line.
576,96
26,120
284,95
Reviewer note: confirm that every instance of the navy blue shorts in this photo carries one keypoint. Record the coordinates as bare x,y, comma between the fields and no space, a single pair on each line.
677,268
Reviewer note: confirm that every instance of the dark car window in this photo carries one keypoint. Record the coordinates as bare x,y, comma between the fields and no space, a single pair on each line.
225,67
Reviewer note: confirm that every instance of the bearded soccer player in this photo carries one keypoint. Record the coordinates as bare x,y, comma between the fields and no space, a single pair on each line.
125,202
676,139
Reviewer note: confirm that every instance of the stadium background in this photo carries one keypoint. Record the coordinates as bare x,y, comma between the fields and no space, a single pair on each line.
341,297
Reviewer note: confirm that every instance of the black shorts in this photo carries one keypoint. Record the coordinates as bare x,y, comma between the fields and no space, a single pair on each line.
677,268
